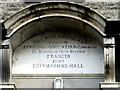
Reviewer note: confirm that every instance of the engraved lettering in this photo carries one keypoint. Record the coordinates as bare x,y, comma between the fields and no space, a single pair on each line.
76,66
59,52
50,65
58,56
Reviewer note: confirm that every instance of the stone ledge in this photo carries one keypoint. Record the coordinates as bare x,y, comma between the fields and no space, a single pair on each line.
7,85
110,85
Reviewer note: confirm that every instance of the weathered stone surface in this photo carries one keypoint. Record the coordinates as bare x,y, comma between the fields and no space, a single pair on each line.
107,9
9,9
110,10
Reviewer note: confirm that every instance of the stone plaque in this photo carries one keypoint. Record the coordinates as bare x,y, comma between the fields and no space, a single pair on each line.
59,53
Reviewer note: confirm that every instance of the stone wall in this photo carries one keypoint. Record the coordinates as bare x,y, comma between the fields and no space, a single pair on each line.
110,10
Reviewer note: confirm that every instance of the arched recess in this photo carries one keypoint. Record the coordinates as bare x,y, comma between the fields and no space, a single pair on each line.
54,16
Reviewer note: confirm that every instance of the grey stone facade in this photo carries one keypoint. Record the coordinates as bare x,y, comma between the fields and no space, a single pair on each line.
110,10
66,17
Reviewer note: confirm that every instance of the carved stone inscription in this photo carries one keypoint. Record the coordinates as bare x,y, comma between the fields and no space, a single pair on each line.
59,53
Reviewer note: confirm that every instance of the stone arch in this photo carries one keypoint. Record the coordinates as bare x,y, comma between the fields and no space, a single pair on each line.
54,15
